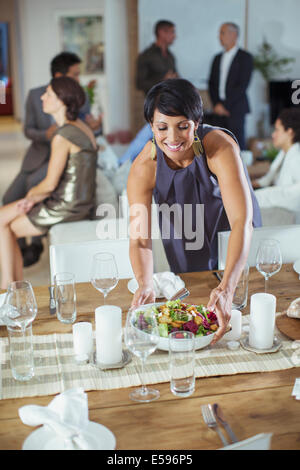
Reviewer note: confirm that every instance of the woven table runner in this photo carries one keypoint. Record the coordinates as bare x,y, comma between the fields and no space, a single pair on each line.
57,371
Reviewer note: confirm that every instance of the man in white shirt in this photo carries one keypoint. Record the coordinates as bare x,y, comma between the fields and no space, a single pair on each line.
229,79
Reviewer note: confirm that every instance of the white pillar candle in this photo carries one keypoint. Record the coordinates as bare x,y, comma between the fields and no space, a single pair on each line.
262,320
236,326
108,334
82,340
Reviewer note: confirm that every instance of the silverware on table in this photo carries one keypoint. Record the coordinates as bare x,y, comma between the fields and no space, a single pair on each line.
210,420
181,294
220,417
218,276
52,305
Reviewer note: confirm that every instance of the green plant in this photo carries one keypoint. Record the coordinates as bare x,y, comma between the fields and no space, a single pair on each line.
269,63
90,89
270,153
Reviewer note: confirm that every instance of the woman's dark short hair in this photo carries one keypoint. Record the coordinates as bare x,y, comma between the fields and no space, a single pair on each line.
290,119
174,97
70,93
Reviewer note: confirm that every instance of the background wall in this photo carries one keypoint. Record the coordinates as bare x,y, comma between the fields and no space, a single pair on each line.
38,22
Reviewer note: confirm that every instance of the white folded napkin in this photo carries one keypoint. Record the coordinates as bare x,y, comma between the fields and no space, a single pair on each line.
258,442
66,415
7,312
166,284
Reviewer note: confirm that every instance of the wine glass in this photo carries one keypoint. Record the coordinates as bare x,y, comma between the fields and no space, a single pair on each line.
141,338
268,259
104,273
20,304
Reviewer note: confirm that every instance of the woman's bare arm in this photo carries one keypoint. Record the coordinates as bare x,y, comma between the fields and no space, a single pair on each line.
224,161
141,182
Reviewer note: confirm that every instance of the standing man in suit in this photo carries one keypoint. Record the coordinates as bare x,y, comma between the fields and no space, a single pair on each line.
157,63
40,128
228,82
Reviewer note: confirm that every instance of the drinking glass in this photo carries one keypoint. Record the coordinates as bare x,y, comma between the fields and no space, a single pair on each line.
142,338
240,295
65,297
21,352
104,273
268,259
20,311
182,363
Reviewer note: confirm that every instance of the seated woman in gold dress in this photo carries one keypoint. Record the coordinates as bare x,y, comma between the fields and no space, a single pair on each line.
67,193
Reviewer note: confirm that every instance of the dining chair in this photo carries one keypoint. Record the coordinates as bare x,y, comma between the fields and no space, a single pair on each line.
77,257
287,235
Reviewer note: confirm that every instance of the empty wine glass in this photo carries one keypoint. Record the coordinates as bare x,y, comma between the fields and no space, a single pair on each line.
141,338
20,304
104,273
268,259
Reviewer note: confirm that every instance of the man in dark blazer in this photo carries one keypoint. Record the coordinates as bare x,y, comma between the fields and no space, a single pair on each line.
228,82
39,128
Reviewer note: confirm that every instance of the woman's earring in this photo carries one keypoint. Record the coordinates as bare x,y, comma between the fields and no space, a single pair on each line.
197,146
153,149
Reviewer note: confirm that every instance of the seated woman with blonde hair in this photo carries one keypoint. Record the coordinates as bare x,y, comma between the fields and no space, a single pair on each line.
67,193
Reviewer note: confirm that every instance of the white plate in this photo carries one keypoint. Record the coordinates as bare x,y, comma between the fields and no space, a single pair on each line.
200,341
44,438
296,267
133,285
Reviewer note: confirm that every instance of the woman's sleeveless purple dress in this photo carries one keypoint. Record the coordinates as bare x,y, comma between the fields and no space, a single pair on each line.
191,244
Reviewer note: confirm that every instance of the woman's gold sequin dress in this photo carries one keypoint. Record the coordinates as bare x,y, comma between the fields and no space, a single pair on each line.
74,197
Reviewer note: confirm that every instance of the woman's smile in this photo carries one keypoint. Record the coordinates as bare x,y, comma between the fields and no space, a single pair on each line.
174,147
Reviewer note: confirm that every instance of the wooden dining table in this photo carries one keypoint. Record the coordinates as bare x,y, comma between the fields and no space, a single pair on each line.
252,403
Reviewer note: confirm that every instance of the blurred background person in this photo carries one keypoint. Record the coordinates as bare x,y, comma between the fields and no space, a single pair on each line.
229,78
157,63
281,185
39,128
66,193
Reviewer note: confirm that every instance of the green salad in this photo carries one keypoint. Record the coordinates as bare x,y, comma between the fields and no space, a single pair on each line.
176,315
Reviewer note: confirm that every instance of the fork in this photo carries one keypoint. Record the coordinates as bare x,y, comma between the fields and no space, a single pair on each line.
210,420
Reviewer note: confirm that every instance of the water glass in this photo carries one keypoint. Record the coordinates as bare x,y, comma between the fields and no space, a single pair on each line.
182,363
65,297
21,352
240,296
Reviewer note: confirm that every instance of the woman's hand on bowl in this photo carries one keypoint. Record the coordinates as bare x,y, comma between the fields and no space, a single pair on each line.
221,303
143,295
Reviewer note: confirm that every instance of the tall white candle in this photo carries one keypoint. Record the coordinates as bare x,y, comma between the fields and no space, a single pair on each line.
236,326
108,334
262,320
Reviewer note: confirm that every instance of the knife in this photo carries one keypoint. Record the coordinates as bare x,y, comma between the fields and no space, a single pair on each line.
181,294
220,417
52,304
218,276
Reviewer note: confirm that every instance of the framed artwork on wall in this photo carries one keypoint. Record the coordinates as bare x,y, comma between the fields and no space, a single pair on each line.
84,35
